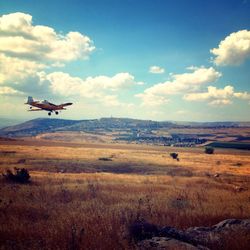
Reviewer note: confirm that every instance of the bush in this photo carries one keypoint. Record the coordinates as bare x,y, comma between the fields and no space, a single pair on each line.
104,159
209,150
21,175
174,156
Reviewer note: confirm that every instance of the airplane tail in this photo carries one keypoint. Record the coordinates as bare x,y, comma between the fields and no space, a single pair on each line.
30,100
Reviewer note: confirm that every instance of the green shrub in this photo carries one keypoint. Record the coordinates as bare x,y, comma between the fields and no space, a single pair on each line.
104,159
174,156
209,150
21,175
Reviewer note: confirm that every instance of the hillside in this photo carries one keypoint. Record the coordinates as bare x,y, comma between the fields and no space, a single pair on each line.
5,122
132,130
36,126
41,125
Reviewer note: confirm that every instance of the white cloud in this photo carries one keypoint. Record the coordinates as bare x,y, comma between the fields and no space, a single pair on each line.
9,91
152,100
21,39
180,83
212,92
65,84
192,67
222,102
27,50
119,81
185,82
156,70
233,50
242,95
97,88
15,71
217,97
113,101
181,112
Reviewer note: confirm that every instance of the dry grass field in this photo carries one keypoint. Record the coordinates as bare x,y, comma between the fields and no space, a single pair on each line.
86,196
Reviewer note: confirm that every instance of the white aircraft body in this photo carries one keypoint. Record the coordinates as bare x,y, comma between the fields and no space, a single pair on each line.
45,105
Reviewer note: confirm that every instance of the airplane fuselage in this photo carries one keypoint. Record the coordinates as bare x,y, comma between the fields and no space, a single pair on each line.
47,106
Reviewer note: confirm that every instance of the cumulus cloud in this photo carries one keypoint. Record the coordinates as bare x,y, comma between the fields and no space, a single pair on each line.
92,87
156,70
113,100
27,49
218,102
15,71
152,100
65,84
9,91
119,81
233,50
212,92
21,39
242,95
180,83
217,97
185,81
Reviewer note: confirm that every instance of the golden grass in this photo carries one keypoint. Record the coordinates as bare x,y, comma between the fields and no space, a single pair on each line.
79,210
223,161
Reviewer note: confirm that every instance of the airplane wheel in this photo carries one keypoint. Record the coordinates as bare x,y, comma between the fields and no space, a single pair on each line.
56,112
49,114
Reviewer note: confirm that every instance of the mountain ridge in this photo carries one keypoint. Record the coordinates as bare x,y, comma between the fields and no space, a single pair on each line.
41,125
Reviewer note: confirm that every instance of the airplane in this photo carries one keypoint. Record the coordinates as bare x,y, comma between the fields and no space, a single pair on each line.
45,105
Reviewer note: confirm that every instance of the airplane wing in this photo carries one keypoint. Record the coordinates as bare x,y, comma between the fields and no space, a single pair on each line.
52,104
66,104
60,106
35,110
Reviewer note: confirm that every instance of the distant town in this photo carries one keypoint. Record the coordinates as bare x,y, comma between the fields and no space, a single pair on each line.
148,137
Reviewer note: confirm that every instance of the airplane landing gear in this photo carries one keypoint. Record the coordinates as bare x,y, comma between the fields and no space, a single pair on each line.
56,112
49,113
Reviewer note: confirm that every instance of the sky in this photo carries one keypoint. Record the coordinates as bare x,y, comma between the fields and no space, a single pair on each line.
183,60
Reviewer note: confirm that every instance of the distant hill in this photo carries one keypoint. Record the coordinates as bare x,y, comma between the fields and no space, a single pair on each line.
226,124
109,124
36,126
4,122
42,125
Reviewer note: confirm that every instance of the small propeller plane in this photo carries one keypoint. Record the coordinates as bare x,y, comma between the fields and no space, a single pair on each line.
45,105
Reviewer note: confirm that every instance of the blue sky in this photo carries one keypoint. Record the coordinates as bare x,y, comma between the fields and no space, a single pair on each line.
161,60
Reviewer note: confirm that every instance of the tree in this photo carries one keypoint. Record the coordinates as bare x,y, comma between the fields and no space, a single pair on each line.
209,150
174,156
